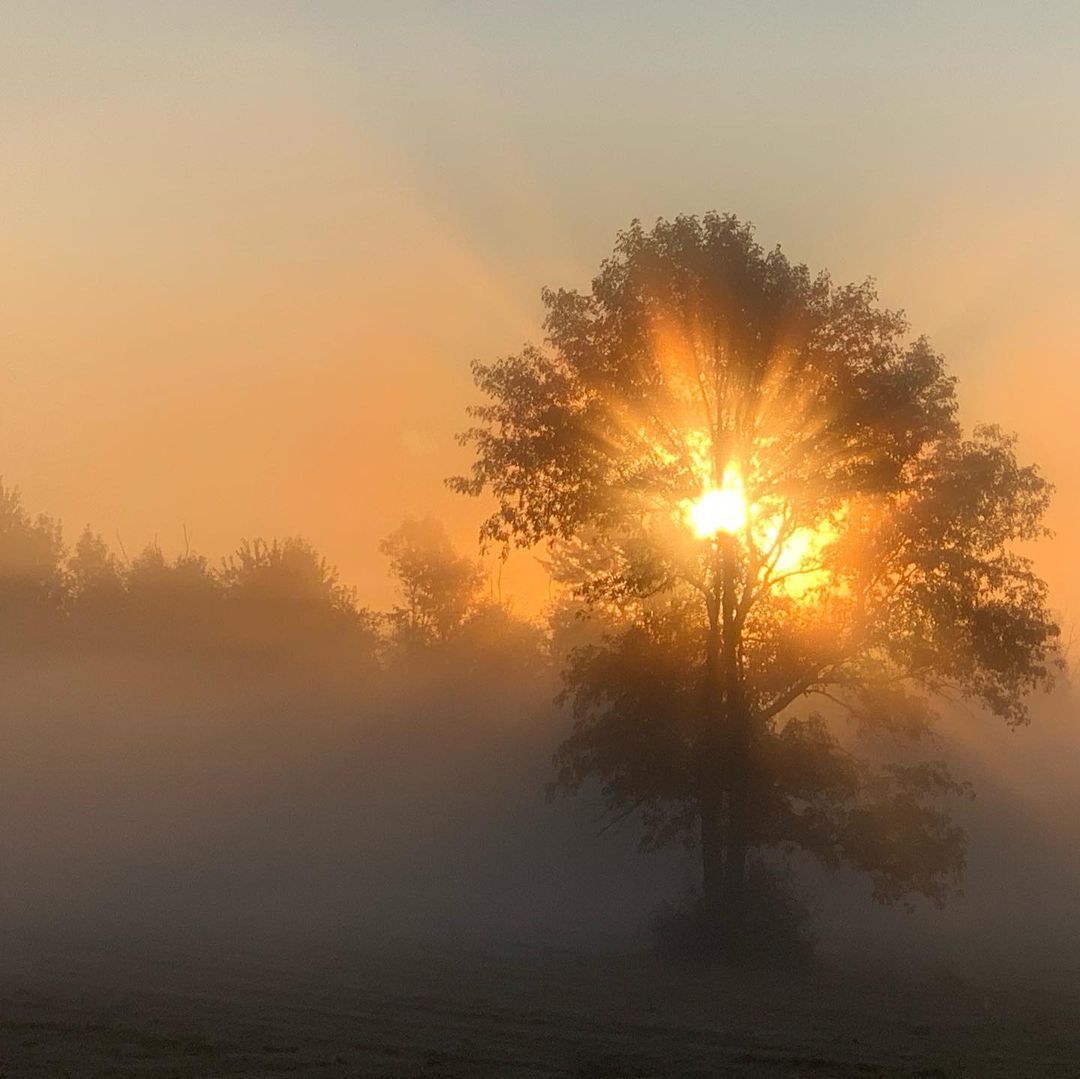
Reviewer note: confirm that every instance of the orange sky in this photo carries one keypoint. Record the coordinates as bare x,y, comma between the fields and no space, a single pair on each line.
250,249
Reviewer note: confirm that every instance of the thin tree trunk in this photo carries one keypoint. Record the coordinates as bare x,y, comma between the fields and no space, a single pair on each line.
732,908
710,777
723,759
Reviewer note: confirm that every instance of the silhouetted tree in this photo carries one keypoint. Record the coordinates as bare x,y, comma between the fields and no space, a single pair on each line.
286,571
872,568
285,599
439,586
32,579
96,577
173,605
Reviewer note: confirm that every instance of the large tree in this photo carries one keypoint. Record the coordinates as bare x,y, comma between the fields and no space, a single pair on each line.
760,479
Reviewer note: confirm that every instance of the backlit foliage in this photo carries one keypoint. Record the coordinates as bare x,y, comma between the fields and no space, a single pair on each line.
876,574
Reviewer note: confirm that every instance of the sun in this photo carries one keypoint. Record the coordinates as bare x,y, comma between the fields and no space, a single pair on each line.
790,557
719,509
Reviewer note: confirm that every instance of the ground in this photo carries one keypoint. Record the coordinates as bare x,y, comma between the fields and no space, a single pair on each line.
128,1008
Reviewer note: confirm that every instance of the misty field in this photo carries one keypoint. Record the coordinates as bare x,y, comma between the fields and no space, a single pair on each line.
458,1010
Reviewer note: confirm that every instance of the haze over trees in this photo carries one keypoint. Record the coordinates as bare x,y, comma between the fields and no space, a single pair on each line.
778,558
755,479
274,602
241,742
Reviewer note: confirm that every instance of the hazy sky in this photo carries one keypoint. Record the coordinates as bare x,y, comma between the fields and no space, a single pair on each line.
249,249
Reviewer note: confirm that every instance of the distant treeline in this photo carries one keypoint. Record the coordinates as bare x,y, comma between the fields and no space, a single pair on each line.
241,740
269,602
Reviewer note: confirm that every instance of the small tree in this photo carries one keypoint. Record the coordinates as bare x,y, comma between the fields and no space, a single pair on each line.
96,575
32,579
285,572
759,478
440,588
285,600
171,605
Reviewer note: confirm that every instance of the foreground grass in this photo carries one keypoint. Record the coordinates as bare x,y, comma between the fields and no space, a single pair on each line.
121,1010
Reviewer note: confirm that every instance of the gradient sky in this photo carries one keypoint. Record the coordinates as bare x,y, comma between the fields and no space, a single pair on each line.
249,249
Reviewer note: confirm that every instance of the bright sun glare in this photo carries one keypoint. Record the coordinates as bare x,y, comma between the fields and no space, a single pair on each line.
794,560
720,509
725,509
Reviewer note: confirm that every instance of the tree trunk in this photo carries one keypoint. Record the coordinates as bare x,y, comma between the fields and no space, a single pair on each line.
710,780
732,914
725,793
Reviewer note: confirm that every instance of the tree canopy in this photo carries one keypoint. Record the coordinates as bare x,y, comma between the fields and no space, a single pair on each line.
873,570
440,588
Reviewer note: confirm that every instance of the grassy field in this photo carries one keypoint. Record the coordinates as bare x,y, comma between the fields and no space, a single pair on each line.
121,1009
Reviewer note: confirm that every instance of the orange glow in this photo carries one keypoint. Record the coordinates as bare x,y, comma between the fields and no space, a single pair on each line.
719,509
796,561
792,560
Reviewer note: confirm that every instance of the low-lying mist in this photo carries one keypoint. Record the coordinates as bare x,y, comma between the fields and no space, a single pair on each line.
244,747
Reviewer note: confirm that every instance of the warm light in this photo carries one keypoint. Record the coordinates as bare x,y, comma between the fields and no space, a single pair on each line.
719,509
797,563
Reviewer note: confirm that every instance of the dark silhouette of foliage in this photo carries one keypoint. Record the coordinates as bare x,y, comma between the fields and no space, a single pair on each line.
285,602
876,576
285,572
96,576
172,606
33,584
274,609
272,604
440,588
